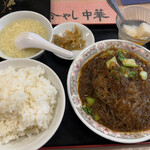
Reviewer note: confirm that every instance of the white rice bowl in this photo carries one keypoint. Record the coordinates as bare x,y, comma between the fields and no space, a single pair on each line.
32,121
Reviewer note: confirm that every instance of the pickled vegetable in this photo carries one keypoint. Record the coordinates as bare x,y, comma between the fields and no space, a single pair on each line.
71,40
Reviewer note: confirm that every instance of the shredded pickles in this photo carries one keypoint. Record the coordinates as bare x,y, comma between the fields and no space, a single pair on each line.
71,40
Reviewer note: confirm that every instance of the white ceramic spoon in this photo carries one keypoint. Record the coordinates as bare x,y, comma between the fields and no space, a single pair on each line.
32,40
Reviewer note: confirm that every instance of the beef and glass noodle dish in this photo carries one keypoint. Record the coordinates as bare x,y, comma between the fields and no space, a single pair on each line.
114,88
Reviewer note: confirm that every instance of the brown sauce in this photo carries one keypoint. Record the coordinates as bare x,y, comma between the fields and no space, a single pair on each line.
121,103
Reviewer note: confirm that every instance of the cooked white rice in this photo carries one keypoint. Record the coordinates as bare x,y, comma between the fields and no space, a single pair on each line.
27,101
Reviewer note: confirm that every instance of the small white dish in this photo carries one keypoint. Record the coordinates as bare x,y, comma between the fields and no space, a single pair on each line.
36,141
86,33
26,15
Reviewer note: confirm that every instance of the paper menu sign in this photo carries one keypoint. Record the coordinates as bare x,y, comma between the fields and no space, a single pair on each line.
84,11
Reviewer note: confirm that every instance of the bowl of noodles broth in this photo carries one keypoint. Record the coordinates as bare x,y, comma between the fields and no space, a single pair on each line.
121,118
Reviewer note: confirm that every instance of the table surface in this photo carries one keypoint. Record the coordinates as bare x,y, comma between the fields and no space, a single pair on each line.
71,131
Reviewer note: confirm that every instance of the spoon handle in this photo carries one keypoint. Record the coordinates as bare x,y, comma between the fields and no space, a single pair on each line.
32,40
114,6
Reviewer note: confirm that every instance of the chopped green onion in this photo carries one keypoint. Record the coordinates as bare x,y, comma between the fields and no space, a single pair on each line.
124,71
87,109
127,73
122,51
111,52
120,56
90,100
129,63
111,63
96,117
143,75
132,74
